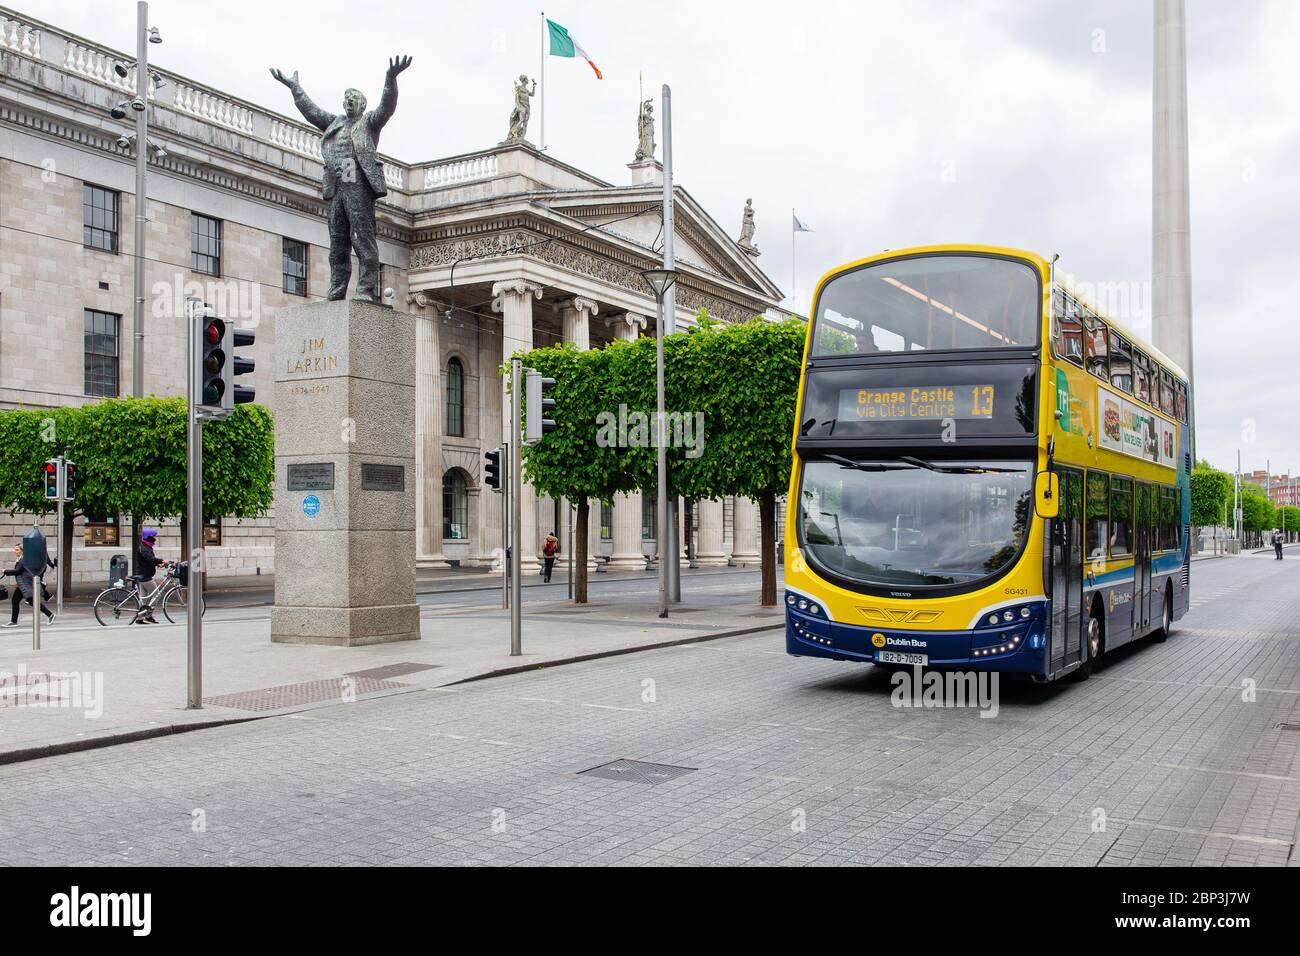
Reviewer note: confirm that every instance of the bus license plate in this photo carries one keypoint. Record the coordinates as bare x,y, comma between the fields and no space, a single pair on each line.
897,657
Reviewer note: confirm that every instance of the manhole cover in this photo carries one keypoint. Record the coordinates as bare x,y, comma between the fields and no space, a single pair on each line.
308,692
392,670
637,771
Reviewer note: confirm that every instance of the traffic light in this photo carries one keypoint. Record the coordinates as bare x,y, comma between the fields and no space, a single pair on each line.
218,365
238,365
69,481
212,367
492,469
52,479
538,405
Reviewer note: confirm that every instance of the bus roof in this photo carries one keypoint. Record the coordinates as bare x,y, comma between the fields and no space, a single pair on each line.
1044,266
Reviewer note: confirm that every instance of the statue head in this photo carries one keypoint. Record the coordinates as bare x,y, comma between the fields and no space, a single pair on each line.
354,103
523,79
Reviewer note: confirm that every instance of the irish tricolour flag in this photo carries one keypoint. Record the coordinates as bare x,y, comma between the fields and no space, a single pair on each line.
563,43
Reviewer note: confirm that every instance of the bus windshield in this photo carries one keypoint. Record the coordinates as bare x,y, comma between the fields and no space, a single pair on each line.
913,523
929,302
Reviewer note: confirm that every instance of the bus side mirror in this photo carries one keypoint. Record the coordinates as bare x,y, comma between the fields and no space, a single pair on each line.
1047,494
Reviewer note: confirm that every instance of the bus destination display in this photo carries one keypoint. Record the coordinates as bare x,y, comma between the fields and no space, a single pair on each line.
917,403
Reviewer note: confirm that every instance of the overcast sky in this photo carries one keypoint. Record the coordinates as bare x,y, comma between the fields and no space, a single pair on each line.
885,123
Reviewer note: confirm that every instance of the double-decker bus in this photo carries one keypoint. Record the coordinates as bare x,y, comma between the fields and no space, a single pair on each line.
988,474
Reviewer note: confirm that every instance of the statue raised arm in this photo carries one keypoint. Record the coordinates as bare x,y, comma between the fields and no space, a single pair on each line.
353,177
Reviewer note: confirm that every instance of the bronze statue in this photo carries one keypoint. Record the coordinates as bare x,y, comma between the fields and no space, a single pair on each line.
354,177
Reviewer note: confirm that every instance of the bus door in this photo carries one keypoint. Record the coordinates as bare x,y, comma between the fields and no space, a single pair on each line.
1144,510
1067,571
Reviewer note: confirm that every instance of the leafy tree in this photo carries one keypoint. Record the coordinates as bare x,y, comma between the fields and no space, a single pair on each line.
574,461
1257,512
1211,492
744,381
131,456
1288,518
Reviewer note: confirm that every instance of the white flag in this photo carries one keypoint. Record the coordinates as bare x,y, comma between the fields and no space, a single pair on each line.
799,226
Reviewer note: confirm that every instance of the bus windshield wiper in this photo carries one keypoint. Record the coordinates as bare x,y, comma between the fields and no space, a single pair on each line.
860,465
956,469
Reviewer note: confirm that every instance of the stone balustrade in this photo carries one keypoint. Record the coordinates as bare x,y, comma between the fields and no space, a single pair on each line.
215,109
20,38
457,171
296,139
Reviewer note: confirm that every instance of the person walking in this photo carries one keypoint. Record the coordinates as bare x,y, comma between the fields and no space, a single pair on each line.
25,587
149,563
1277,543
550,548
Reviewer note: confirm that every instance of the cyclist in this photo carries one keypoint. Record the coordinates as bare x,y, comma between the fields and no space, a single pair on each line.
149,563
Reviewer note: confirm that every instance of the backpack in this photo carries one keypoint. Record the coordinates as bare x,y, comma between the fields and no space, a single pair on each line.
549,549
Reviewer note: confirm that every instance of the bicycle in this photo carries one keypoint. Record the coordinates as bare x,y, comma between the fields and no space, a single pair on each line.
125,603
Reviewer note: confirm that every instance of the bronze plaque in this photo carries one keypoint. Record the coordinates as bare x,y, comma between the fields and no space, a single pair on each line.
383,477
311,476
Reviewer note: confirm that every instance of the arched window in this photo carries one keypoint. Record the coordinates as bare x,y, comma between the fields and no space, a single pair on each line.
455,505
455,398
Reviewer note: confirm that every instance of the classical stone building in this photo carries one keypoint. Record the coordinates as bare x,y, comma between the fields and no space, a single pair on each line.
494,250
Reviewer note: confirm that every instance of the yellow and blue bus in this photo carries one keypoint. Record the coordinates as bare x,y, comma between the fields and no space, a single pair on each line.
988,473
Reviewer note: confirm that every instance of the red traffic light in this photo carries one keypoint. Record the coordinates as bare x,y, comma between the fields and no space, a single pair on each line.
51,468
213,331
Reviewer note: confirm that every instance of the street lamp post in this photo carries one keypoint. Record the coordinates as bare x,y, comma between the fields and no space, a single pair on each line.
660,281
143,37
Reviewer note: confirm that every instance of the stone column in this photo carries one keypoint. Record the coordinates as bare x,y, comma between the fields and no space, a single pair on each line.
576,315
627,554
428,433
744,546
710,552
513,298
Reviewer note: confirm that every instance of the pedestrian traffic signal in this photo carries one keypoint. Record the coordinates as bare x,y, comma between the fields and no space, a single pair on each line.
69,481
51,472
492,469
538,405
211,373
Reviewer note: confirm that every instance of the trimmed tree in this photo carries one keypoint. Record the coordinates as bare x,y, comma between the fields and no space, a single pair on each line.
575,461
1211,491
743,379
131,459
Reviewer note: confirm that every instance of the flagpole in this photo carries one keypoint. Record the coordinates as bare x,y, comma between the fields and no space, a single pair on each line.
793,304
543,78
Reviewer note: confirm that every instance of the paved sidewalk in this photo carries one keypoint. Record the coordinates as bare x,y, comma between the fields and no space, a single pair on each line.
135,677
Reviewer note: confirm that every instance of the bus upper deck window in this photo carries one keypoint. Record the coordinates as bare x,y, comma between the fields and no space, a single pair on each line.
1180,399
1141,377
1121,362
1095,345
1167,392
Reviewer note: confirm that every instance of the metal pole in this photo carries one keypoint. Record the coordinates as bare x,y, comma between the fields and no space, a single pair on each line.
38,593
668,310
505,525
542,137
141,166
58,537
661,452
516,512
194,521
